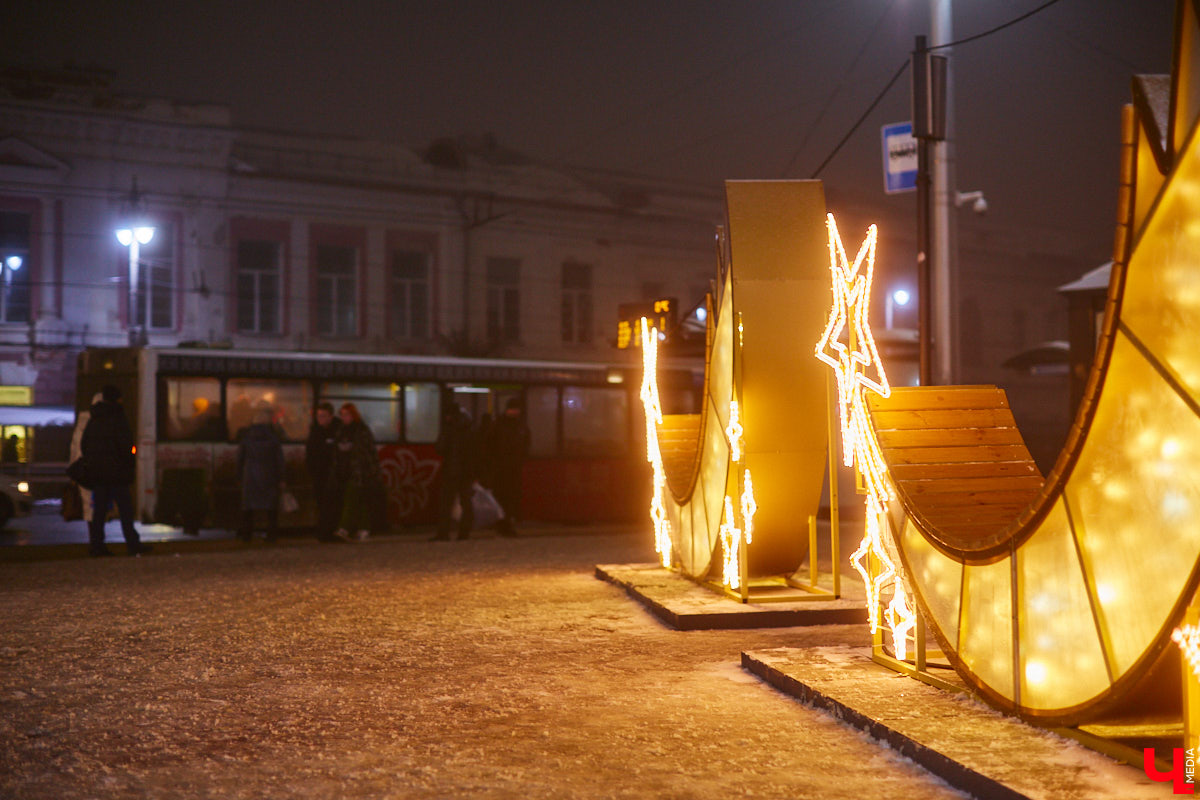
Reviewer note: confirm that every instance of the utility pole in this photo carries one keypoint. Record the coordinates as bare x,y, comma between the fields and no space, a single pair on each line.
928,95
941,167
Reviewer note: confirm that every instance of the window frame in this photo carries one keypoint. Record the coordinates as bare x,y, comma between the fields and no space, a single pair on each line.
251,229
498,295
320,234
575,326
31,269
159,219
413,242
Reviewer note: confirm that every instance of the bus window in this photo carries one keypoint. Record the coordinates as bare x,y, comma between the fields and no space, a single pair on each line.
541,416
376,403
422,412
595,422
291,402
192,411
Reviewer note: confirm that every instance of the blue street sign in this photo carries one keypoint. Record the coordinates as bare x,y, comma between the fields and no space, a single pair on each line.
899,158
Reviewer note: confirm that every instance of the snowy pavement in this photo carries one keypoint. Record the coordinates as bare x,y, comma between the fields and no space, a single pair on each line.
490,668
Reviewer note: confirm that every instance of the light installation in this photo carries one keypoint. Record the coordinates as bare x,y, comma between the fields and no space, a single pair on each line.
733,432
1188,639
852,361
653,411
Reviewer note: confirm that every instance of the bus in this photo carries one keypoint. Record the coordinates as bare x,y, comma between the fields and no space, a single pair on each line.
187,405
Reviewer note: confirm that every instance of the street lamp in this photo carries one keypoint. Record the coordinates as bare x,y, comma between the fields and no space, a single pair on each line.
133,238
11,264
900,297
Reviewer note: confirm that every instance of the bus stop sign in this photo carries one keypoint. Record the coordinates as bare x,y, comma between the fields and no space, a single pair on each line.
899,158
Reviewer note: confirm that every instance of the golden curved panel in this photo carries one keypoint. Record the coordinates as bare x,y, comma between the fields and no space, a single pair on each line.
776,280
1065,614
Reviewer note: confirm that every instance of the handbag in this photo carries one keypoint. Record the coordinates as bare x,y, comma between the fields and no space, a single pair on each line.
77,471
72,503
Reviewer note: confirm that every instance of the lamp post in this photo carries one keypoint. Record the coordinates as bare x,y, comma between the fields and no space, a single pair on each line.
133,237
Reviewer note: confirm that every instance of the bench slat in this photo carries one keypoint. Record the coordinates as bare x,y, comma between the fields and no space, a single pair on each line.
943,437
916,397
943,418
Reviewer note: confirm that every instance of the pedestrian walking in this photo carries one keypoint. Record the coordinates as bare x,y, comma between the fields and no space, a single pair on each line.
320,453
458,448
358,471
509,448
109,463
76,452
260,474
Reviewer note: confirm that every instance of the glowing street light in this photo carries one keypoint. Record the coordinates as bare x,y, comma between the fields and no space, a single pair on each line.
133,238
900,297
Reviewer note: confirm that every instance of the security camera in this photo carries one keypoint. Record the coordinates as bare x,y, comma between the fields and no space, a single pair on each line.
976,199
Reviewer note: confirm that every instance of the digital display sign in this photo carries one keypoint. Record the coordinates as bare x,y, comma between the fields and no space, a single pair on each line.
659,313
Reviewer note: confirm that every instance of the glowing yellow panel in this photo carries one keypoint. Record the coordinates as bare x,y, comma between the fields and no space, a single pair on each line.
679,544
1165,265
1062,663
937,577
720,368
1133,497
986,636
700,519
715,468
684,515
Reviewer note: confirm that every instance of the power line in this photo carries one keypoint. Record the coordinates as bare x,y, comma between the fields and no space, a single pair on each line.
998,28
900,71
879,97
838,89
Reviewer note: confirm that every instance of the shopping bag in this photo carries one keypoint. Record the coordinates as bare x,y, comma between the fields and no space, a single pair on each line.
288,503
487,509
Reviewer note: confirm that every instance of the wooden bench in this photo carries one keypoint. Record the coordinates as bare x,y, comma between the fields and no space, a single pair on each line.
957,461
679,445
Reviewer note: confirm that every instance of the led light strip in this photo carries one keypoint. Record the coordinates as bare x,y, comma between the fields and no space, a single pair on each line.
653,409
851,285
1188,639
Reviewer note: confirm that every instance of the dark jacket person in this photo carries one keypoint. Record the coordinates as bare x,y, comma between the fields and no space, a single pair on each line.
109,461
260,473
320,456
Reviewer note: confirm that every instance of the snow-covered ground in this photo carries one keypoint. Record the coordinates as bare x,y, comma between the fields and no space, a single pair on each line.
490,668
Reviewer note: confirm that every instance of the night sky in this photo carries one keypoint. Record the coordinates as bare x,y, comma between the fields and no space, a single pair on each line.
696,90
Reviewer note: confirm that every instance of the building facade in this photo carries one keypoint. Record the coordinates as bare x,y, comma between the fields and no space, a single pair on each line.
278,241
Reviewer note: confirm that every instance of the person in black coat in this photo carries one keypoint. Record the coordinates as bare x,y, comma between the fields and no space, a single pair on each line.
458,447
109,462
260,473
320,452
509,447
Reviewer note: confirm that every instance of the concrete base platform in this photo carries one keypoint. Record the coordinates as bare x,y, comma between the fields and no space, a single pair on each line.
969,745
687,606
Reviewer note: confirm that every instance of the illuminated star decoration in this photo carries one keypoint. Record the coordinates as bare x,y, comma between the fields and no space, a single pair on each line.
851,361
653,409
